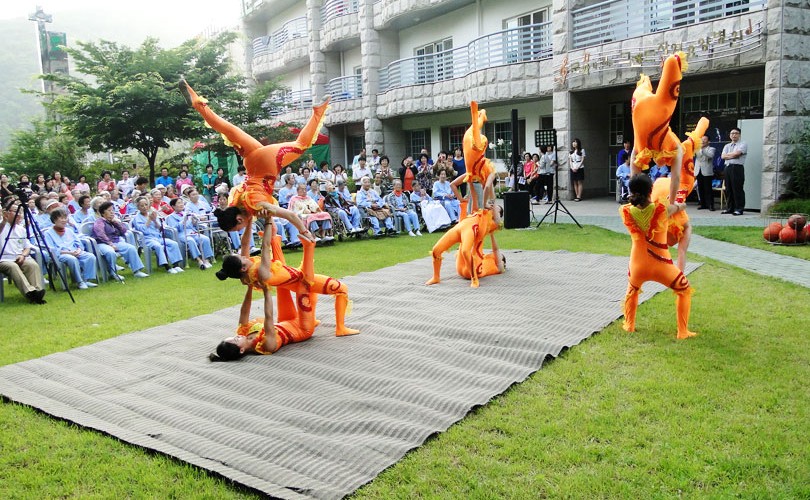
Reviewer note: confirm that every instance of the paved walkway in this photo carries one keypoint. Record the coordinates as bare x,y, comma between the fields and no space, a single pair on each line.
604,213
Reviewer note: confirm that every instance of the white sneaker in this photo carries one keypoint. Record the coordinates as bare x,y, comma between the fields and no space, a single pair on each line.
418,233
118,278
172,270
119,268
90,284
410,233
178,269
83,286
141,274
208,265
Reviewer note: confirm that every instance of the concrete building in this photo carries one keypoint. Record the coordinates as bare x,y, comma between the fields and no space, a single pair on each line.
401,73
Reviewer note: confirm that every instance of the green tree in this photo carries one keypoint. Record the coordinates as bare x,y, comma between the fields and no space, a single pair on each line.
798,164
42,150
132,102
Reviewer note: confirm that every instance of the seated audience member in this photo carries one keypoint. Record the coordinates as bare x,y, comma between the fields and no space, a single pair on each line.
81,185
288,191
314,190
68,249
187,226
73,204
376,185
657,172
163,208
304,176
432,211
16,261
623,176
150,225
287,231
377,210
400,203
170,193
444,194
85,213
131,206
346,211
111,237
142,185
343,191
318,221
235,237
197,204
117,201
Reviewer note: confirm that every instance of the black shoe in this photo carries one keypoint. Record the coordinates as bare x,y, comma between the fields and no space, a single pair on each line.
711,209
32,296
725,212
40,294
737,212
185,92
701,208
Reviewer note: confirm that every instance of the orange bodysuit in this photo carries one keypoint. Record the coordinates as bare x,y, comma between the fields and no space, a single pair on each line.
652,112
471,262
650,261
661,189
263,163
474,145
296,321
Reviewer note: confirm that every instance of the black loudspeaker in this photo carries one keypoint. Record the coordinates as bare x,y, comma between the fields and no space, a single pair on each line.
516,210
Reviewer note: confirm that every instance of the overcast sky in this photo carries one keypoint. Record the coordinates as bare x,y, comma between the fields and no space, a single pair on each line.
183,19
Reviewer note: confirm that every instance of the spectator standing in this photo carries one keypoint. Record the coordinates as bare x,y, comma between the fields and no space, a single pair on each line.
407,173
734,154
81,185
577,157
424,171
183,180
704,164
325,175
164,178
126,185
361,170
548,166
241,175
208,179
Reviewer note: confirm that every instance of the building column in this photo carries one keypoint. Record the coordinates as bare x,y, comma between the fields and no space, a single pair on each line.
787,92
317,59
370,57
561,99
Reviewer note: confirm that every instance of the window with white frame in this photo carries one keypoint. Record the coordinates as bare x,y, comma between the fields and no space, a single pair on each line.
434,62
525,40
417,141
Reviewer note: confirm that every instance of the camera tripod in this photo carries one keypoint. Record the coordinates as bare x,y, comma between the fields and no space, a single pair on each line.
557,205
32,227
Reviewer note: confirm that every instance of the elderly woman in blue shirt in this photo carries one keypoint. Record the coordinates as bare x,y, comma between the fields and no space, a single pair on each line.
369,200
148,223
186,224
401,205
444,193
69,250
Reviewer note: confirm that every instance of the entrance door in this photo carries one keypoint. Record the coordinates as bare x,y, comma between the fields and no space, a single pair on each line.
752,135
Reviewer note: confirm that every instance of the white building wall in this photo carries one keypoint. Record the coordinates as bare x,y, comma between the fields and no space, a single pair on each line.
297,79
298,10
351,59
460,25
494,12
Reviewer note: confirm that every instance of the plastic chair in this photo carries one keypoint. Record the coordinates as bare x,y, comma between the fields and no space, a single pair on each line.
86,229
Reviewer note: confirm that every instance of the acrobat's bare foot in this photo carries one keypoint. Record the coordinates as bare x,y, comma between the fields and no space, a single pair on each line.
344,331
320,108
627,327
432,281
474,283
686,335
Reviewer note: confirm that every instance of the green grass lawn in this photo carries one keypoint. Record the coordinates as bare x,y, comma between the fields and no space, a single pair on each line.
622,415
751,237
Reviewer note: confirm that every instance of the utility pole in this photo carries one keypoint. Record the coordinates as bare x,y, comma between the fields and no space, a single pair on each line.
42,43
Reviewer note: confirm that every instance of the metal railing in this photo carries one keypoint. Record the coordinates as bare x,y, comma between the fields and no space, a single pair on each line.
248,6
512,46
332,9
345,88
294,28
616,20
290,100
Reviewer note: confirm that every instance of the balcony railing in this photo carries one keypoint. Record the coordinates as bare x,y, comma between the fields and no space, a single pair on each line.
345,88
291,100
512,46
249,6
294,28
616,20
332,9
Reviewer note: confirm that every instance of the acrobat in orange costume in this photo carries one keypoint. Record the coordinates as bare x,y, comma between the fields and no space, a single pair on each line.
296,320
471,262
263,163
479,168
679,230
652,112
650,261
